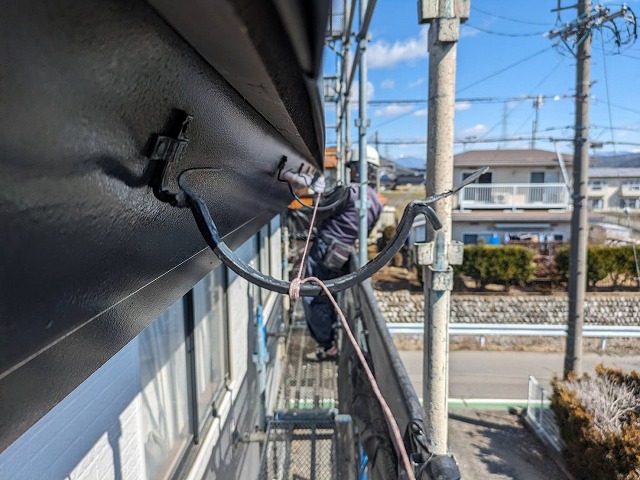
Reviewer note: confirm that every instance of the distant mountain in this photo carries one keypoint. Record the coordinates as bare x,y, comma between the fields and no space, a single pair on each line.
411,162
621,160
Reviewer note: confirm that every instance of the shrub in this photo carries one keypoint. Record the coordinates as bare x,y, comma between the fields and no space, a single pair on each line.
599,421
617,262
504,265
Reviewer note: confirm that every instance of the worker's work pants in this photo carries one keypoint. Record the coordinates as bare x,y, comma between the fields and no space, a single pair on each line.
319,311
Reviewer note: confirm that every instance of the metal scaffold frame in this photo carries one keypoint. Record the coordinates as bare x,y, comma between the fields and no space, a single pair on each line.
339,40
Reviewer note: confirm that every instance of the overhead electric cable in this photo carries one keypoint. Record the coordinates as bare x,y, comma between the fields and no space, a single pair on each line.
488,77
504,34
529,96
502,17
502,70
596,100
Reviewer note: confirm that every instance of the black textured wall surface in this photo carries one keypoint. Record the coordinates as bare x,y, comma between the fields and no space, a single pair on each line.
89,256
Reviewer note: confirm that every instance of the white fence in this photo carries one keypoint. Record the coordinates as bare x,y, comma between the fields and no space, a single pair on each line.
541,416
514,196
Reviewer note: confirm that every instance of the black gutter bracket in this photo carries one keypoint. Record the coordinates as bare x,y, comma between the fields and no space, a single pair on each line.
169,149
166,151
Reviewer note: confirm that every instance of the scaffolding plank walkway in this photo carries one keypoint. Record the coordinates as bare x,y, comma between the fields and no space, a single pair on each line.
306,384
301,441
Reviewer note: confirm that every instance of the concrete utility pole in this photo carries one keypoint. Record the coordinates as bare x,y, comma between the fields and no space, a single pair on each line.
444,17
581,30
579,218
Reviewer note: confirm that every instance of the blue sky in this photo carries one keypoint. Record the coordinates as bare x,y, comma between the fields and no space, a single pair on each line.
398,69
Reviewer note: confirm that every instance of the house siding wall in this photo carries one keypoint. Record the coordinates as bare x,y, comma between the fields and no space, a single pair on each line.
92,433
95,431
460,228
511,174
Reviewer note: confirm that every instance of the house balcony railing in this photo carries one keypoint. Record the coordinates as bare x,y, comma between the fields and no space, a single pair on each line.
516,196
630,190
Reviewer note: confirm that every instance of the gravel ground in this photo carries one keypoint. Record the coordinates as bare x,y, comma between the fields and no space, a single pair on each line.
493,444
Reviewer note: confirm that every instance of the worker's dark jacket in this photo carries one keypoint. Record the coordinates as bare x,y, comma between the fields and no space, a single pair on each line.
341,226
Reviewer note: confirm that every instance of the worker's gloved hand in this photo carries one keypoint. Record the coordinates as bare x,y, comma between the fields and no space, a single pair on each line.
318,184
305,180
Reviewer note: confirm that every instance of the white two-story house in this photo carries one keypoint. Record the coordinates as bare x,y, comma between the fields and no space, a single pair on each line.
524,196
614,188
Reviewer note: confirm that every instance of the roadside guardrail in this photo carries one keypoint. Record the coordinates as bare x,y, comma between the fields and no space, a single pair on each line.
518,329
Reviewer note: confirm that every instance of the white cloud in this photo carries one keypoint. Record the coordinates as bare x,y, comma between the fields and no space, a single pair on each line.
382,54
417,82
421,113
392,110
355,92
389,83
474,131
468,32
462,106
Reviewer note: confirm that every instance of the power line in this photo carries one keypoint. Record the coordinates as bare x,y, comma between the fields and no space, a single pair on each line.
423,141
621,107
520,138
502,17
505,34
502,70
533,97
477,99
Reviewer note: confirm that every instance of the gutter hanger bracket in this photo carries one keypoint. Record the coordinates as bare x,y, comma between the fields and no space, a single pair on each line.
167,150
187,198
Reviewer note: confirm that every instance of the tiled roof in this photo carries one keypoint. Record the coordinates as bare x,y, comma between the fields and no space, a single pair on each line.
478,158
609,172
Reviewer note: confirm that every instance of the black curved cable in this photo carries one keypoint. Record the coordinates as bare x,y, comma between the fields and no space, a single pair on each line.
209,231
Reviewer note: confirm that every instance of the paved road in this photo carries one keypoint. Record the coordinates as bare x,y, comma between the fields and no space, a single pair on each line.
504,375
493,444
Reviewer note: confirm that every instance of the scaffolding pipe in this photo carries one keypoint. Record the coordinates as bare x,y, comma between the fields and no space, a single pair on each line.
363,227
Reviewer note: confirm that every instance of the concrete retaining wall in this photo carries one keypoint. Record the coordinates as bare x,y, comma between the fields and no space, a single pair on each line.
613,309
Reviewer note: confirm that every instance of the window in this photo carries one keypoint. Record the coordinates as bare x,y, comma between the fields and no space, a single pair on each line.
163,377
548,176
630,203
596,184
633,184
275,247
469,239
185,359
210,339
597,203
484,178
536,177
263,260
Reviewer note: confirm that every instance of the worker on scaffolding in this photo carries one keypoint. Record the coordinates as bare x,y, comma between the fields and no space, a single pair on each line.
329,256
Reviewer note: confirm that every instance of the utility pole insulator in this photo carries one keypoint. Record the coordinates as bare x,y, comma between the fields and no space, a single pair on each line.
447,30
424,253
431,9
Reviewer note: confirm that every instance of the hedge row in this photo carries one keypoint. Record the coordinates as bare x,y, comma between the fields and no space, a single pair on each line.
503,265
512,265
599,421
617,262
